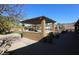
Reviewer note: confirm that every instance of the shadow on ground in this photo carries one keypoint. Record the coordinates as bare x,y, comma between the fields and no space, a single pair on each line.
65,44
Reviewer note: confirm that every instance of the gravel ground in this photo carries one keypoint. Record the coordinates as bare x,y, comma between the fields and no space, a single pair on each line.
21,43
18,42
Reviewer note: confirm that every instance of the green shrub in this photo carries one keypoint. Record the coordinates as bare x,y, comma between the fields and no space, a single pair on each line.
5,24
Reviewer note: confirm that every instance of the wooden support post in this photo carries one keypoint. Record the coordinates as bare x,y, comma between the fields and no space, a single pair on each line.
43,24
53,27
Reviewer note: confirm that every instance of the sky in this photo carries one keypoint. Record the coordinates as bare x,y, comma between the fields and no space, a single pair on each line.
61,13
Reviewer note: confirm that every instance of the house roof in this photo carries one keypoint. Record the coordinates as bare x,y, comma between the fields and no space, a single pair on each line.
37,20
77,23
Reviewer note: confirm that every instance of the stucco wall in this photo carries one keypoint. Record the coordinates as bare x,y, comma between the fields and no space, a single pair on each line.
33,35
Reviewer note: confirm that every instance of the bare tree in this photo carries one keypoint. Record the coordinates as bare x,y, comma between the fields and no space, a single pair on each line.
11,10
10,15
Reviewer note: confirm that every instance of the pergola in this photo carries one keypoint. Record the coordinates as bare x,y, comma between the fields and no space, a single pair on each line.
40,20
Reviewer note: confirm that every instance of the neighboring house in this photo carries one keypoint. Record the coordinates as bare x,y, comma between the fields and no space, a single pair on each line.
66,26
77,26
69,26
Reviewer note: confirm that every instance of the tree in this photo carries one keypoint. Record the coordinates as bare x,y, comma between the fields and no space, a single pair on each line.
5,24
13,13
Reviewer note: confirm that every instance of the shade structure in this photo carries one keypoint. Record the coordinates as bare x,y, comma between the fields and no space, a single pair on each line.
37,20
42,20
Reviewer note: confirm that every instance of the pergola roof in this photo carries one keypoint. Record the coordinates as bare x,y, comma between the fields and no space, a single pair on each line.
38,20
